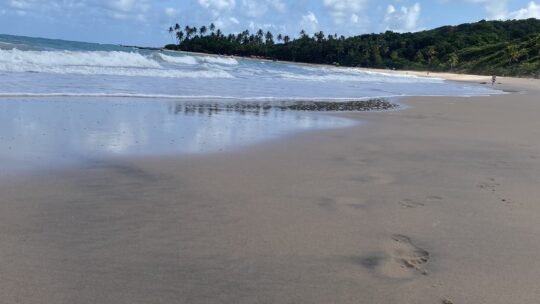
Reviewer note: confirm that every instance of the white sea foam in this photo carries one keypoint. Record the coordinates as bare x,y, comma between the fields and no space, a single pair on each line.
352,74
98,63
191,97
192,60
189,60
70,58
149,74
219,60
329,77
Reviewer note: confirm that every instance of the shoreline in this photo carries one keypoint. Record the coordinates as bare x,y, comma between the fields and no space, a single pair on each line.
436,202
459,77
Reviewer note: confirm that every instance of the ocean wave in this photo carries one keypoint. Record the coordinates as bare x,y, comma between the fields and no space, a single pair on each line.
197,59
98,63
116,71
190,97
323,73
71,58
358,76
11,46
219,60
189,60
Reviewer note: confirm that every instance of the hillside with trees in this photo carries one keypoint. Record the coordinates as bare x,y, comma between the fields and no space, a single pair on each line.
509,48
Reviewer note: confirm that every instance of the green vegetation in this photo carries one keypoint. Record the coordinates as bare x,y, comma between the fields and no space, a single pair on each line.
509,48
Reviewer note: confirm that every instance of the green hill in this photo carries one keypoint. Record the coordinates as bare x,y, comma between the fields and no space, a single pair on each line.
503,47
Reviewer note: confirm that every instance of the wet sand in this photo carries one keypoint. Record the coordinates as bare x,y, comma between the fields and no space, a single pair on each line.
437,203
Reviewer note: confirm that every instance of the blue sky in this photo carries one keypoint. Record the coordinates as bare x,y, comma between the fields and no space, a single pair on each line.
144,22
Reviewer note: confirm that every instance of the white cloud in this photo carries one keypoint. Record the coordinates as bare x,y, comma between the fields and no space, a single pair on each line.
257,8
139,11
309,22
342,10
21,4
278,5
123,5
264,26
496,9
171,12
225,23
128,9
390,9
253,8
218,4
405,19
531,11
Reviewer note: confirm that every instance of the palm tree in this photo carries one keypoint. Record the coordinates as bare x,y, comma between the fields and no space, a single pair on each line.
269,38
171,30
190,31
245,37
431,52
419,57
286,39
187,29
259,36
203,30
179,36
177,27
319,36
453,60
513,53
279,37
303,34
212,27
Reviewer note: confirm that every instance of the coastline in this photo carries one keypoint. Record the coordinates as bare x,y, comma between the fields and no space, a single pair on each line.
434,202
477,79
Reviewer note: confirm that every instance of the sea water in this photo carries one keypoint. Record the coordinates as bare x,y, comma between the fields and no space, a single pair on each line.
64,101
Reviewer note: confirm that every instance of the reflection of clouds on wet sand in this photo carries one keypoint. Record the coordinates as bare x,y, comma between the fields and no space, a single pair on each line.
36,132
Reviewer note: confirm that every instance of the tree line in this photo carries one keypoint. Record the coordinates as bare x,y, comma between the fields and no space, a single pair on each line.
486,47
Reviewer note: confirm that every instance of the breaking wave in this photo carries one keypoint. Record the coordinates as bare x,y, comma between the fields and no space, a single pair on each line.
192,60
41,67
105,63
189,60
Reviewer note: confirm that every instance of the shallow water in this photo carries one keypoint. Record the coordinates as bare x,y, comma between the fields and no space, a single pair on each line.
51,132
42,67
65,102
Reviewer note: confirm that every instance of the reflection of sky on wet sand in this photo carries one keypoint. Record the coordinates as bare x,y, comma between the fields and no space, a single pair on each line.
41,132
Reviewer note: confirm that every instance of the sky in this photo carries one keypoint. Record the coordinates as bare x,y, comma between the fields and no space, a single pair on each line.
145,22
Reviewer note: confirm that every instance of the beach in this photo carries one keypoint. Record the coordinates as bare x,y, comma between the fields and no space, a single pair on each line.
434,203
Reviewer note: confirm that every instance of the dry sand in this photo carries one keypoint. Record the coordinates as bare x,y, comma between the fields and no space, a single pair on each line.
438,202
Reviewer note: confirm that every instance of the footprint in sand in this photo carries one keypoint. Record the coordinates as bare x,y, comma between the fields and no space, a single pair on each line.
489,184
353,160
373,179
410,203
338,203
401,259
358,161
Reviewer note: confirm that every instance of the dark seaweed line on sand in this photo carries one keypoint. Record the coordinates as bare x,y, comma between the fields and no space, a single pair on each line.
376,104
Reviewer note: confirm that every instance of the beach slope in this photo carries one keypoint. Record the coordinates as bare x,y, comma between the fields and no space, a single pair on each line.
437,203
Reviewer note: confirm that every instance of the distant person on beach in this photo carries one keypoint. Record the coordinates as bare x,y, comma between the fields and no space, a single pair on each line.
493,79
